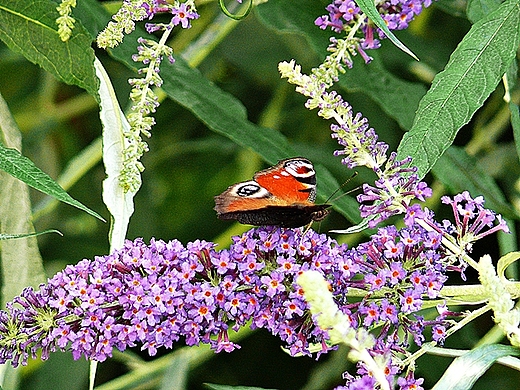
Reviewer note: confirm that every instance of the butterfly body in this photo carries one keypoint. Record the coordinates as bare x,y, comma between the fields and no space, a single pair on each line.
282,195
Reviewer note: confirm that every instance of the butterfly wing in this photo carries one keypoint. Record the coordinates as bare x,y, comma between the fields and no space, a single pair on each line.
282,195
292,180
284,216
247,195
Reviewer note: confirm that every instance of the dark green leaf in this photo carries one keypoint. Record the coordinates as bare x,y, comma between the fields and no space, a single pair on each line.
458,171
453,7
297,17
398,98
473,72
93,16
29,28
12,162
221,112
465,370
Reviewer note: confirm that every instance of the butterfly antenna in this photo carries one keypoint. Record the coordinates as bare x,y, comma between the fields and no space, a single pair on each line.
341,186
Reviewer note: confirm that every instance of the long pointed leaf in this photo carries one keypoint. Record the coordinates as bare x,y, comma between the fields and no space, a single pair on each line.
20,260
119,203
370,10
19,166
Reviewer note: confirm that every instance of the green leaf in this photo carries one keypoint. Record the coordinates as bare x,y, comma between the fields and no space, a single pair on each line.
25,235
477,9
12,162
296,17
176,375
459,172
505,261
398,98
20,260
93,16
515,123
221,112
369,9
29,28
452,7
473,72
465,370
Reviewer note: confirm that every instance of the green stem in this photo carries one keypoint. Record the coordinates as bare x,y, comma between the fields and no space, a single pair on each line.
207,41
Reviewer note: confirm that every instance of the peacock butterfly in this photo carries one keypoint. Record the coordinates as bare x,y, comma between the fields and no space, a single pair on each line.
282,195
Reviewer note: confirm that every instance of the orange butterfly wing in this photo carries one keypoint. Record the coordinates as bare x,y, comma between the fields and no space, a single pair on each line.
281,195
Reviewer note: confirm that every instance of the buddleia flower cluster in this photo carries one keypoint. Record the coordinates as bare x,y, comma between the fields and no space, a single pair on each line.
157,294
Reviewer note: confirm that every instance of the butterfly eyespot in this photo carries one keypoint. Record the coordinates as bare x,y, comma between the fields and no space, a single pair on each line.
248,190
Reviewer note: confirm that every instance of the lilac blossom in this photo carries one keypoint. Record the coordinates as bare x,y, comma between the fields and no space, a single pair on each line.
156,294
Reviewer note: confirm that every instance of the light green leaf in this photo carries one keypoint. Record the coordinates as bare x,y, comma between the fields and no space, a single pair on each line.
458,171
12,162
29,28
473,72
25,235
505,261
465,370
20,261
176,375
119,203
